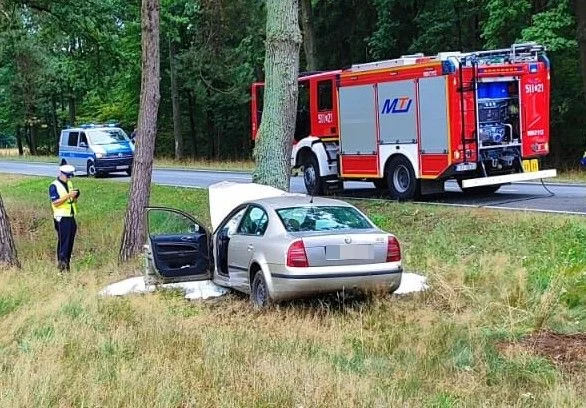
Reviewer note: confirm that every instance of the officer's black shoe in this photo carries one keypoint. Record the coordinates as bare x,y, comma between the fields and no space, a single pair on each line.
62,266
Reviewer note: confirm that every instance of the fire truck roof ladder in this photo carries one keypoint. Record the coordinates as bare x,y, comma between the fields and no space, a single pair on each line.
391,63
526,52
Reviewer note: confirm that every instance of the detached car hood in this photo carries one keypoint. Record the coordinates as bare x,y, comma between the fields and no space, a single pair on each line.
227,195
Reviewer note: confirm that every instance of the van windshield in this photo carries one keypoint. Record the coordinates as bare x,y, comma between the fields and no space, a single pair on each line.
107,136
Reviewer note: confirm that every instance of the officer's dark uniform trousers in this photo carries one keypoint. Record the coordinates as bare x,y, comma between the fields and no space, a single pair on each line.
66,230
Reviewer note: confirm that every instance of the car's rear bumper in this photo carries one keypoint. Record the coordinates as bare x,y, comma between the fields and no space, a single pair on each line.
288,283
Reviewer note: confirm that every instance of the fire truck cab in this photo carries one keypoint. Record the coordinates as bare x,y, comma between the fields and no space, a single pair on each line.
409,124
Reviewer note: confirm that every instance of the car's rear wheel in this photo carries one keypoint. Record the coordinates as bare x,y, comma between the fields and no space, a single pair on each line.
129,171
91,169
63,162
259,293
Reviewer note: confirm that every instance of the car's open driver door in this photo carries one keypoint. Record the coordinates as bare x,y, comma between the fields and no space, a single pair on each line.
178,246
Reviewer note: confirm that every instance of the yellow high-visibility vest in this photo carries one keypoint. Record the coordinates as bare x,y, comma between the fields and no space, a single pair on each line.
69,207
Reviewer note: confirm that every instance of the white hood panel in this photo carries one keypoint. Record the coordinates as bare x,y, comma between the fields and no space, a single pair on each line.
227,195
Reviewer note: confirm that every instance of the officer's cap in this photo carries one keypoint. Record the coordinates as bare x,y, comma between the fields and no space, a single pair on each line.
67,169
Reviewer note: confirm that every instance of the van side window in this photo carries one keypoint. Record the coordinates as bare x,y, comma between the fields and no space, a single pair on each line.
72,141
324,96
82,138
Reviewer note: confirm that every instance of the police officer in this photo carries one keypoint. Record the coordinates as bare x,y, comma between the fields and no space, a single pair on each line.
64,202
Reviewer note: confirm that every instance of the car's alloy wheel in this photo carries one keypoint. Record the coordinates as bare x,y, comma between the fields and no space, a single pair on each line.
260,293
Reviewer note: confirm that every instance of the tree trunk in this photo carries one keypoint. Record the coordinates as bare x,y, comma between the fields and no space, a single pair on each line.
19,141
134,233
8,255
54,124
191,107
33,139
579,7
275,135
308,35
175,103
72,113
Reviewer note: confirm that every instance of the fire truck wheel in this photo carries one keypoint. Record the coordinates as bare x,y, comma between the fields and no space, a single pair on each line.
314,183
403,185
480,190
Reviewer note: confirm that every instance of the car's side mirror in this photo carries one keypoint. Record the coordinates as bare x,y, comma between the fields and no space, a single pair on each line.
82,144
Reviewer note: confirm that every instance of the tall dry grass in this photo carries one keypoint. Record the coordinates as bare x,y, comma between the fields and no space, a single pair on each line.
62,345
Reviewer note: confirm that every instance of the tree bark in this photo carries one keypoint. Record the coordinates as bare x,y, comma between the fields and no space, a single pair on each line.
308,35
8,255
275,135
19,141
33,138
134,233
579,7
175,103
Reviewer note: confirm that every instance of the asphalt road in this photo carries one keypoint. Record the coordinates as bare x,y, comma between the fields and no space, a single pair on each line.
561,198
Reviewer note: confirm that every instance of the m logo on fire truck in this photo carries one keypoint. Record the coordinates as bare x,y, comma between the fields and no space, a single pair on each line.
397,105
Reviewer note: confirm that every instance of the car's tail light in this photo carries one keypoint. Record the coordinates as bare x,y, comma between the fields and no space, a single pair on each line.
296,256
393,249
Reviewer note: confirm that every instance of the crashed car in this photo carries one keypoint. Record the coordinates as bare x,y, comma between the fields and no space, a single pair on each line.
272,245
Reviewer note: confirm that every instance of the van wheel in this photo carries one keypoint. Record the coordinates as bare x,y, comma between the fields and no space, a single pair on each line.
63,162
259,293
129,172
403,185
91,169
314,183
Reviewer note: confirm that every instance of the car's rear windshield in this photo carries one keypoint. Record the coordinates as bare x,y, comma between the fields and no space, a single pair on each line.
322,218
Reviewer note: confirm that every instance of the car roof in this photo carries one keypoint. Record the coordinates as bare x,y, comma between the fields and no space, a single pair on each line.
298,200
83,129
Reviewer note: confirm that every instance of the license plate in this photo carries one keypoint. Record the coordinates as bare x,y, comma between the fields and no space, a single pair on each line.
466,167
357,251
530,166
121,167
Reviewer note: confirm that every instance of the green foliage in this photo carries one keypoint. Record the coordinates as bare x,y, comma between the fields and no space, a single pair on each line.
71,62
504,21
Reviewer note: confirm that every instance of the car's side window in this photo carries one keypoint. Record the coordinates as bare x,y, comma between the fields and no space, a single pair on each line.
82,139
229,227
255,222
165,222
72,140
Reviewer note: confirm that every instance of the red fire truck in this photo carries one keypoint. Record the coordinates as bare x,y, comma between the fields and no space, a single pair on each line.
409,124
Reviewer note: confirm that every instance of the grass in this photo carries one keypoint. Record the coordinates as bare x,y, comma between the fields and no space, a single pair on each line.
495,276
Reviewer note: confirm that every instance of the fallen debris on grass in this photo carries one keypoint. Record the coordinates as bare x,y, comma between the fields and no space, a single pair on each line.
410,282
193,290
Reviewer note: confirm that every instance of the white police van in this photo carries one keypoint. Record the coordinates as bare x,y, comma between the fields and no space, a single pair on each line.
96,150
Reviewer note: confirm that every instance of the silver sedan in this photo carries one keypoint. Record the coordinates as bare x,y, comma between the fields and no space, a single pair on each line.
276,248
